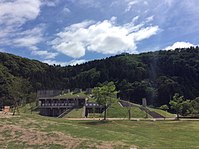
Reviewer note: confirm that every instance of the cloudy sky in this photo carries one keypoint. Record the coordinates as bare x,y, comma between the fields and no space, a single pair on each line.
74,31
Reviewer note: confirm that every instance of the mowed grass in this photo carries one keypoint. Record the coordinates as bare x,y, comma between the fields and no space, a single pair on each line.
142,134
117,111
75,113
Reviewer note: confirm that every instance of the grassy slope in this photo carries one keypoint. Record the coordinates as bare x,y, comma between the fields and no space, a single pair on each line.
143,134
115,111
162,112
75,113
121,112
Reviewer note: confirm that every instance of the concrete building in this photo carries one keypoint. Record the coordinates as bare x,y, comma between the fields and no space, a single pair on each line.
59,103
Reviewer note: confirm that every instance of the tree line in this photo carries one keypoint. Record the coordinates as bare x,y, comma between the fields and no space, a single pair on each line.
156,76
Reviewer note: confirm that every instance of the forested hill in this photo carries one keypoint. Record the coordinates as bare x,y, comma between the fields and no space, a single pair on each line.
155,76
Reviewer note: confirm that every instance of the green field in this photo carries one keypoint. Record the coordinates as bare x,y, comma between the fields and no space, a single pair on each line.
33,131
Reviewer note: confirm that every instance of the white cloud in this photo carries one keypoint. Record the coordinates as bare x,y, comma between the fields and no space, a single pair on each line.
17,12
87,3
145,33
134,4
72,62
50,3
73,49
104,37
27,41
13,14
66,10
130,4
180,45
149,19
30,37
30,40
135,19
45,54
169,2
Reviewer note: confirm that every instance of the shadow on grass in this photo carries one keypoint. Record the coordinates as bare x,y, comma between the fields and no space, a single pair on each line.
101,122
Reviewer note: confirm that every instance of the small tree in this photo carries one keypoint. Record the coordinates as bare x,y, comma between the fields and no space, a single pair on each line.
105,95
180,105
165,108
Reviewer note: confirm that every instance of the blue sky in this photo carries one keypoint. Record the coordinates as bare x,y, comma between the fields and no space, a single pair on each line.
75,31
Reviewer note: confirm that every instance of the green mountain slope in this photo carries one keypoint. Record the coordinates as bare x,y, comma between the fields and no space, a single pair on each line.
155,76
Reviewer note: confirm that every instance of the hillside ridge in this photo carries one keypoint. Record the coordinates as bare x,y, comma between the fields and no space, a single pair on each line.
156,76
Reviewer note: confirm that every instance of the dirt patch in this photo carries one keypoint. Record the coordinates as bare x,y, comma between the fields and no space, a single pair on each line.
33,137
7,115
13,133
27,133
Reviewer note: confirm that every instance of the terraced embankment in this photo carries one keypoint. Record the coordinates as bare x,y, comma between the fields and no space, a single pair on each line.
153,114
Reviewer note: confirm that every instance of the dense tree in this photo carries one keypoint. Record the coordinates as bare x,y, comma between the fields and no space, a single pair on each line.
156,76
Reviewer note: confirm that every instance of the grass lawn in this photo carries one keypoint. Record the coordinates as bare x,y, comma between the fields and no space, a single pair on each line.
75,113
33,131
118,111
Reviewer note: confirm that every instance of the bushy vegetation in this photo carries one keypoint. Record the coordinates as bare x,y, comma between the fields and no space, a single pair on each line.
184,107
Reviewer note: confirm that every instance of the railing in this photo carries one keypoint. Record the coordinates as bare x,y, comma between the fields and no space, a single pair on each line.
57,105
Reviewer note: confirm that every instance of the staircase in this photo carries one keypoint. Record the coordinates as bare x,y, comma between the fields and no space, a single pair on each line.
128,104
151,113
65,112
145,109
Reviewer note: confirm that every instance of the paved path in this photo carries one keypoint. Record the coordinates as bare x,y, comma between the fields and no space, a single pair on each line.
119,119
132,119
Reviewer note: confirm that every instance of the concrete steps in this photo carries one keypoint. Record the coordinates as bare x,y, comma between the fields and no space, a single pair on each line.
65,112
151,113
145,109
